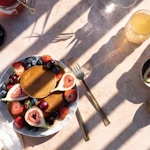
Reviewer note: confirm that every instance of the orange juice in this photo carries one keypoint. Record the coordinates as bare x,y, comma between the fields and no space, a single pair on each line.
138,27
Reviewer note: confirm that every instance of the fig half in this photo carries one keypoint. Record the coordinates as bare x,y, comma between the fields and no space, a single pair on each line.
34,117
15,94
67,82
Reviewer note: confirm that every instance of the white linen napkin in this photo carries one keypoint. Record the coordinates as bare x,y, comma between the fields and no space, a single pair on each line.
9,139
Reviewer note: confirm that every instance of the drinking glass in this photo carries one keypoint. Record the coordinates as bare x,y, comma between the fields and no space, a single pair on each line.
124,3
137,29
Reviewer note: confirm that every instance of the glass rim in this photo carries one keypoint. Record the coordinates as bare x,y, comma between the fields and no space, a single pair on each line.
116,2
136,12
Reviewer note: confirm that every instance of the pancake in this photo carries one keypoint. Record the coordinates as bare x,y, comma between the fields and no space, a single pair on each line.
55,101
38,81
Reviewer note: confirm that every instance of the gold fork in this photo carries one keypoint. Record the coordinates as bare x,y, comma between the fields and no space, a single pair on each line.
76,69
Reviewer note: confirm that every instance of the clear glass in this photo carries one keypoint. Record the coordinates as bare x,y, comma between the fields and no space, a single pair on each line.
137,29
124,3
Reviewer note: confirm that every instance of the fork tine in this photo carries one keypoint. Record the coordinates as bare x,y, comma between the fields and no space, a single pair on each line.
74,67
77,66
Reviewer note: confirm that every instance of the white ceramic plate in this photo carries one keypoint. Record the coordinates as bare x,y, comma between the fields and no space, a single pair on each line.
58,125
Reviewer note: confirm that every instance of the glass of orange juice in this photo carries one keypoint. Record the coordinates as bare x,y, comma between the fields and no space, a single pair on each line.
137,29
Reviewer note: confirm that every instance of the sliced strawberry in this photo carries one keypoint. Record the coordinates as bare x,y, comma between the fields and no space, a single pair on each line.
70,95
46,58
63,112
59,76
18,68
16,108
19,122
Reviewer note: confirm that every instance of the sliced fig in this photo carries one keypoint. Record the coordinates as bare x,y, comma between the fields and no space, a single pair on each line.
15,94
147,75
67,82
34,117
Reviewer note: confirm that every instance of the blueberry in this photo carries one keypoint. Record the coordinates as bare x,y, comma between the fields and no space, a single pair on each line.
33,101
39,62
34,62
31,60
28,66
28,60
55,114
56,70
50,120
3,93
50,65
3,87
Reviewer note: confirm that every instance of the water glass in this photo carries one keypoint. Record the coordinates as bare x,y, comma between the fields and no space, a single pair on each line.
124,3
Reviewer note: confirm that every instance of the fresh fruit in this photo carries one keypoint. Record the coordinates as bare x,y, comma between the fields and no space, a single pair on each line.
70,95
63,112
31,61
49,65
13,78
67,82
46,58
147,75
9,86
43,104
19,122
56,69
16,108
27,104
18,68
3,93
50,120
35,117
15,94
59,76
33,101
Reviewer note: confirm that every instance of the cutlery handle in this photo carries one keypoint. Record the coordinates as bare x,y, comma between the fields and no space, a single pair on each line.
82,125
97,106
31,10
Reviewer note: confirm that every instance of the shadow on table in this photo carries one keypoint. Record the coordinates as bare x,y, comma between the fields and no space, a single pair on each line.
140,120
15,25
109,55
106,59
130,84
131,88
32,141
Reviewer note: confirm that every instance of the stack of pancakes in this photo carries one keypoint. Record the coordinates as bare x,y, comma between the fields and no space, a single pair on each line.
37,82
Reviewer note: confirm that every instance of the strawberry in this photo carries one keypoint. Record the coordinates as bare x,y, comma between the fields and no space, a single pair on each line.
19,122
70,95
16,108
18,68
58,76
46,58
63,112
